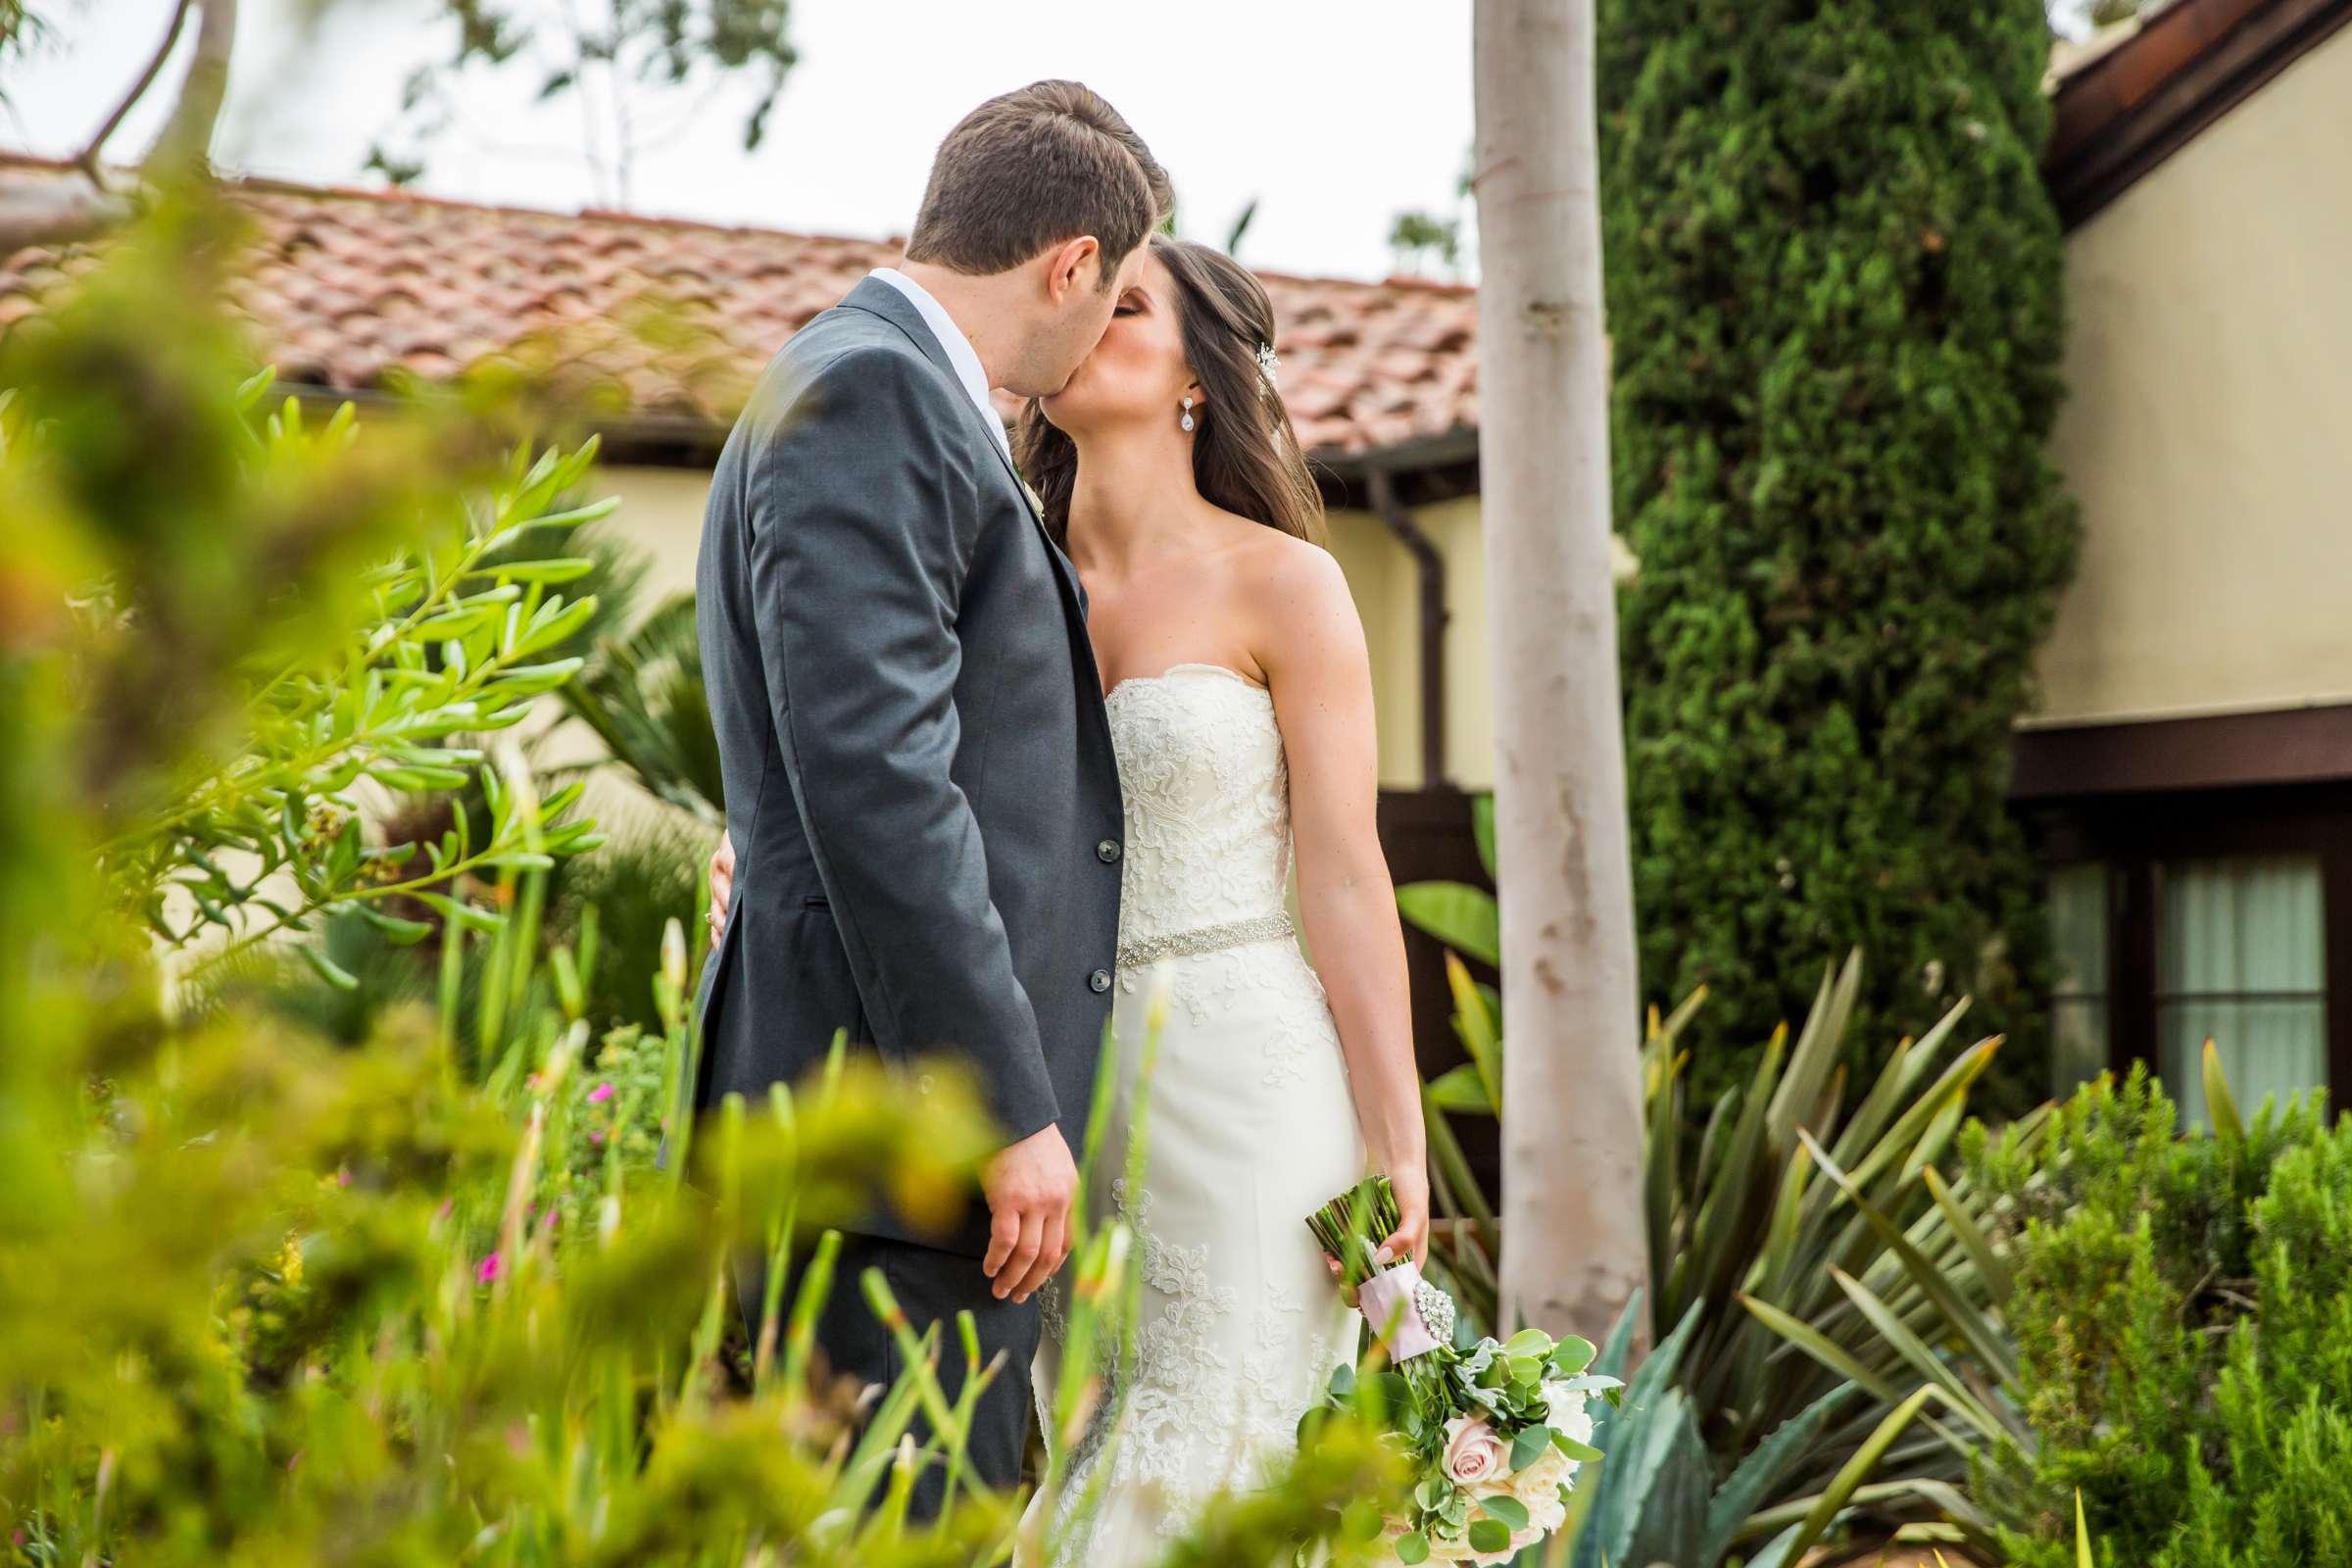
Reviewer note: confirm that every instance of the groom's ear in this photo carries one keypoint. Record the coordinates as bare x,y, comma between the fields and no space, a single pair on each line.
1075,265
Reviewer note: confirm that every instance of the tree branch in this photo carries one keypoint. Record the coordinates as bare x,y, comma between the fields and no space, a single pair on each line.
88,161
50,209
187,137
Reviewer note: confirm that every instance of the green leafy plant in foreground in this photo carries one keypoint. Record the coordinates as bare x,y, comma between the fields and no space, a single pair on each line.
273,1291
446,647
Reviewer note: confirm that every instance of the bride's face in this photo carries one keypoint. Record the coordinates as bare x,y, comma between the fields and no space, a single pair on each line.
1137,374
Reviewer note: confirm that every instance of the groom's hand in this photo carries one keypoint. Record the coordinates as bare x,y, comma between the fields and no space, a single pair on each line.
722,881
1029,1187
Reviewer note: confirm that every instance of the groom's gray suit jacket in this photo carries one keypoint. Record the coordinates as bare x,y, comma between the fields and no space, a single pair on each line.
919,780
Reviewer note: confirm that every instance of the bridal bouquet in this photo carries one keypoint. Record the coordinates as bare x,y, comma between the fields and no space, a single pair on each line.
1496,1429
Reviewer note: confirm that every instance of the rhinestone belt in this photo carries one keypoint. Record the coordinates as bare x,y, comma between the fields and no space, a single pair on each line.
1208,939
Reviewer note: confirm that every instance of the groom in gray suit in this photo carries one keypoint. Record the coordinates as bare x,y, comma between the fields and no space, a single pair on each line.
922,806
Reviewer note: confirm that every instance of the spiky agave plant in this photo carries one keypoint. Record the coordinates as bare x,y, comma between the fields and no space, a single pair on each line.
1813,1270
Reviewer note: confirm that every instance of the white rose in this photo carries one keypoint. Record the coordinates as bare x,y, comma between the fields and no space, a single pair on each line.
1567,1412
1537,1484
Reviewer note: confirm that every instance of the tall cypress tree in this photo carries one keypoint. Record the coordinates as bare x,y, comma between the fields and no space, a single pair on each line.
1835,300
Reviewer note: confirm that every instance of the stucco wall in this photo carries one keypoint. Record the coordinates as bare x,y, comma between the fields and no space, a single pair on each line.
2207,432
661,514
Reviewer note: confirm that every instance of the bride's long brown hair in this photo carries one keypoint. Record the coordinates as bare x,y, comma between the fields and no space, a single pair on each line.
1246,456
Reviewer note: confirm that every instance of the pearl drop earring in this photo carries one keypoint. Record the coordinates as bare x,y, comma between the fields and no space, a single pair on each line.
1186,421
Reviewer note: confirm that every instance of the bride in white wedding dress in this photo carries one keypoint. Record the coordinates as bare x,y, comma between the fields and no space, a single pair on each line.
1240,707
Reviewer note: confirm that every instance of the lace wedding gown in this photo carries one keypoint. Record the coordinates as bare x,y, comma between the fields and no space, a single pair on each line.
1247,1126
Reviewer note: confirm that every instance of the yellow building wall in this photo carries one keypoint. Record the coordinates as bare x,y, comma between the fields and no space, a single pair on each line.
2208,429
1379,575
661,515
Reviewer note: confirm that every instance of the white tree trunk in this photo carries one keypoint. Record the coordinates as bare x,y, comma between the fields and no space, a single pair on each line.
1574,1236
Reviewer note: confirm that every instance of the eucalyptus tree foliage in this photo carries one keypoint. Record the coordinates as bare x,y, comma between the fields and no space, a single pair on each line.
452,644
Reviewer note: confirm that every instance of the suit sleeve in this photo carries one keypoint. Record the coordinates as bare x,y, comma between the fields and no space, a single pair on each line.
865,513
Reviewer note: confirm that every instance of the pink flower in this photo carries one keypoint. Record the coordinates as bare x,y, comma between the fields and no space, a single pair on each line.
601,1092
343,1176
1473,1451
447,1204
488,1270
596,1135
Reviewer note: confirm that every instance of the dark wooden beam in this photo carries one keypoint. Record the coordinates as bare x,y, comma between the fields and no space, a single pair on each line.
2288,746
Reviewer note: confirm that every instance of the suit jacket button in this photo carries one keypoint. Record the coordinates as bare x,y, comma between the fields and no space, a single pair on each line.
1107,850
1100,980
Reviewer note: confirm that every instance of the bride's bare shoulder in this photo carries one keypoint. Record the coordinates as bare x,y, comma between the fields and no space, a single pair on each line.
1271,560
1291,594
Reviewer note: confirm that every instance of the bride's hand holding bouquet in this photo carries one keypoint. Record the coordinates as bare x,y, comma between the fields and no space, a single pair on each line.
1495,1429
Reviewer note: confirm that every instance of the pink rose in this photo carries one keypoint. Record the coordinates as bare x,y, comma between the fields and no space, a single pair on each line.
1473,1451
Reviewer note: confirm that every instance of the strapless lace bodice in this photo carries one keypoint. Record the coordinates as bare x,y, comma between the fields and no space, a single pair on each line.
1207,792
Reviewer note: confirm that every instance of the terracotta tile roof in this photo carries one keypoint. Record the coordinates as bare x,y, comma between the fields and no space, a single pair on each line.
671,320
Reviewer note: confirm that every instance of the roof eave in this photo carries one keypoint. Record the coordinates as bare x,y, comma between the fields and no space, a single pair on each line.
2124,113
1456,446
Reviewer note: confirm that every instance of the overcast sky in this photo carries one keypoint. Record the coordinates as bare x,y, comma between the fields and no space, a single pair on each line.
1335,115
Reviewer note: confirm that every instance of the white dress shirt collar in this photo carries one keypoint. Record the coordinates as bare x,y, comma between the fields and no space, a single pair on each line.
960,352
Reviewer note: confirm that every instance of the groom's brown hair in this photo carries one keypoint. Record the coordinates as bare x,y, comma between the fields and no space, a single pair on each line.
1032,169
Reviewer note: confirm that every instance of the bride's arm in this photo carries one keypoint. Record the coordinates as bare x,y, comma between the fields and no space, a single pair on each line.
1321,675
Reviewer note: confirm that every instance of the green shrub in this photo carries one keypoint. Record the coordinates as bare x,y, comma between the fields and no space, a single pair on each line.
2184,1319
1834,293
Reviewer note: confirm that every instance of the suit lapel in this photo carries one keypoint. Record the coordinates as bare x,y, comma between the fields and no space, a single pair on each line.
878,298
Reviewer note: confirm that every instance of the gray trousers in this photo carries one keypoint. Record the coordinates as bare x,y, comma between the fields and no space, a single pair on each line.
931,1286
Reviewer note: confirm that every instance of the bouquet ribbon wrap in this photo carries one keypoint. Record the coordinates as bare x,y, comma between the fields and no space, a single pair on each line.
1389,1302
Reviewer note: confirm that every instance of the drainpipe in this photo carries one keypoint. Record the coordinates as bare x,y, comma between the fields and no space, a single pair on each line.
1430,566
